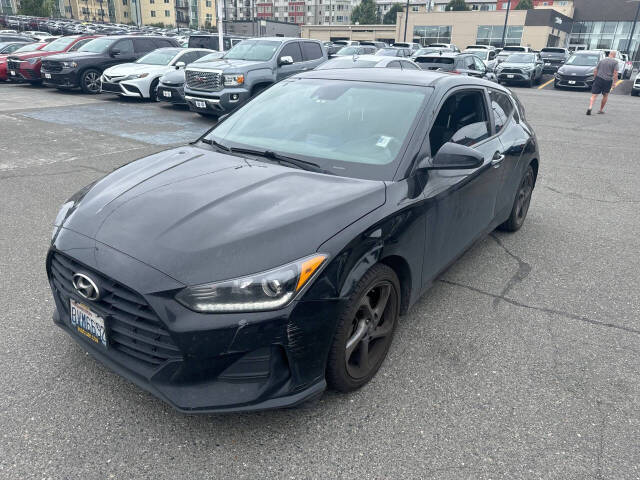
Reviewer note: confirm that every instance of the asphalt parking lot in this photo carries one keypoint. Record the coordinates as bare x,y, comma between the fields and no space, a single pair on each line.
522,362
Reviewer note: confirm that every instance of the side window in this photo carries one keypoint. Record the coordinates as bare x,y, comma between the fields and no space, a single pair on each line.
470,63
492,55
479,64
144,45
409,66
161,42
292,50
79,43
311,50
188,57
394,64
125,46
502,108
462,119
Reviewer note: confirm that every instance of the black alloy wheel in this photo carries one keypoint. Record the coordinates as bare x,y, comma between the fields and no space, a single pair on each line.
90,81
365,330
153,91
521,203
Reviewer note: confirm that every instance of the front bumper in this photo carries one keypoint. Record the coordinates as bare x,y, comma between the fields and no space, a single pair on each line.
60,79
514,77
206,363
124,89
25,73
567,82
216,103
636,87
551,67
171,94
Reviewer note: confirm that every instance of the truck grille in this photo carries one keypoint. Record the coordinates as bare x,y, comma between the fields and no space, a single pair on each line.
203,80
133,328
51,66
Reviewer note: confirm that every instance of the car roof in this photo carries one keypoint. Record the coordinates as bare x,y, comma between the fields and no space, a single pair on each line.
588,52
421,78
443,54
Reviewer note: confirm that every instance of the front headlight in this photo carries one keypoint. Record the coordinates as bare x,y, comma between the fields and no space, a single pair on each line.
233,80
263,291
33,60
137,75
69,64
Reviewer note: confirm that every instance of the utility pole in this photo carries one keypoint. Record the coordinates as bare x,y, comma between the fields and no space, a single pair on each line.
220,34
506,19
633,31
406,21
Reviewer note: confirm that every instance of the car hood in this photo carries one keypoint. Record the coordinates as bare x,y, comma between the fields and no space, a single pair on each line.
223,64
174,77
135,68
516,65
66,57
201,216
576,70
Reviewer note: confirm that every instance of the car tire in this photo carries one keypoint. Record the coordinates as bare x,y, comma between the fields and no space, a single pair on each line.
90,81
153,91
364,330
521,203
531,82
634,93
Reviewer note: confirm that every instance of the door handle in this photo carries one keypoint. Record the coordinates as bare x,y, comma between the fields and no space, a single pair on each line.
497,159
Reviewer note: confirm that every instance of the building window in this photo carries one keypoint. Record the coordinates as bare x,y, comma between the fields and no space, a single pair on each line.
124,2
167,13
492,35
415,8
208,18
606,35
208,3
153,13
429,34
126,14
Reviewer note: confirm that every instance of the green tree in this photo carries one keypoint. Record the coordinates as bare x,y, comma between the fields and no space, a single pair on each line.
36,8
457,5
365,14
390,16
524,5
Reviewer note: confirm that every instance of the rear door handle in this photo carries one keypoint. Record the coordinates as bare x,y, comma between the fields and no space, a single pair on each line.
497,159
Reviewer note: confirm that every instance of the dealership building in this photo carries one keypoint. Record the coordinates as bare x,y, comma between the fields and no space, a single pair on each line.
593,23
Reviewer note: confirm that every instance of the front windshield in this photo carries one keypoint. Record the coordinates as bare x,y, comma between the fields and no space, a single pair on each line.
31,47
348,51
387,52
483,54
584,60
162,56
364,124
521,58
59,44
256,50
98,45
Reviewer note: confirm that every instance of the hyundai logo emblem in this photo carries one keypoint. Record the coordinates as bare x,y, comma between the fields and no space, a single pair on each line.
86,287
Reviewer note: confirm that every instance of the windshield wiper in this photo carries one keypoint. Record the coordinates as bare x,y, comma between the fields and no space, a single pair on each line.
220,146
283,159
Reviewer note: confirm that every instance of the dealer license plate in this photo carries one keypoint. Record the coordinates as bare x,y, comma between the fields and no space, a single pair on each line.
201,104
47,75
88,323
510,76
166,93
13,74
572,82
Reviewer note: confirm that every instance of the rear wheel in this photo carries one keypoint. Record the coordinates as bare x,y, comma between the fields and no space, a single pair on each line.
90,81
521,203
365,330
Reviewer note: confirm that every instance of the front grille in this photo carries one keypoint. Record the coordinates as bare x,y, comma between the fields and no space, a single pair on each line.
203,80
13,64
51,66
133,328
577,78
111,87
511,70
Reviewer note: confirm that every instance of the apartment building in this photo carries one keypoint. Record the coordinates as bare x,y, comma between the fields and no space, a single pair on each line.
8,7
300,12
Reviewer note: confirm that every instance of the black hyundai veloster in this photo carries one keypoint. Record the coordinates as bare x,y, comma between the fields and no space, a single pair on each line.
274,256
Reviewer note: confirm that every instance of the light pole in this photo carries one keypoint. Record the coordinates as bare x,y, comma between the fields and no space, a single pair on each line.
506,19
633,31
406,21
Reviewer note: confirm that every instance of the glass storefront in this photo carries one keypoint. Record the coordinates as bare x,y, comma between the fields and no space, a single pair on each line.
607,35
426,35
492,35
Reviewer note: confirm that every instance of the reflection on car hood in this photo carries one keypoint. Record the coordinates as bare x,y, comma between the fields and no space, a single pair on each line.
135,68
201,216
576,70
174,77
67,57
516,65
223,64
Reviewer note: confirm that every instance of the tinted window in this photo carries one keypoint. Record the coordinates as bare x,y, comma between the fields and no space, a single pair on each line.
501,107
469,63
144,45
292,50
311,50
440,60
462,119
189,57
394,64
161,42
78,44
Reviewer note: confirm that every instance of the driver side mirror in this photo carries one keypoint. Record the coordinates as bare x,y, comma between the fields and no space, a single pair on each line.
452,156
285,60
180,65
114,52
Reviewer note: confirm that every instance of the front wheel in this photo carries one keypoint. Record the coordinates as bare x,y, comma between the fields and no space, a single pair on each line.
365,330
90,81
521,203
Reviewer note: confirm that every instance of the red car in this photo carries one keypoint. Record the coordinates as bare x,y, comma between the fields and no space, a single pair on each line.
25,66
28,47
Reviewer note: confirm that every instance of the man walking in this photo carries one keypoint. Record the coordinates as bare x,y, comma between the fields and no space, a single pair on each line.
604,74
